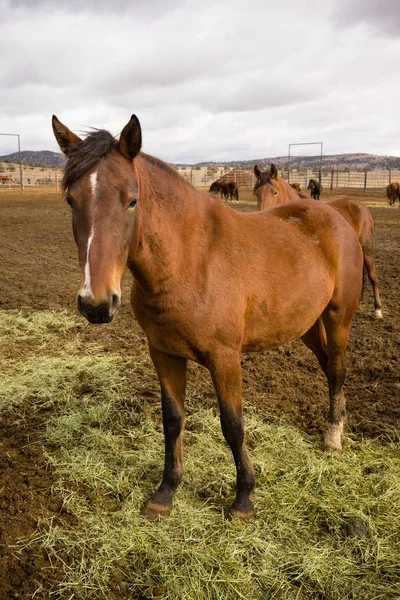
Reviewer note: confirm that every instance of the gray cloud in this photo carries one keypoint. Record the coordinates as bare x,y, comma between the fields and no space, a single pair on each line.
207,80
121,7
381,17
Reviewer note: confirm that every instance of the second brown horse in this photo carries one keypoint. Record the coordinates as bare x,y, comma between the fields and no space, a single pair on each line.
271,189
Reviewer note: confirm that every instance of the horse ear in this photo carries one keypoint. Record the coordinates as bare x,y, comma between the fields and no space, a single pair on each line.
63,135
273,171
257,171
130,140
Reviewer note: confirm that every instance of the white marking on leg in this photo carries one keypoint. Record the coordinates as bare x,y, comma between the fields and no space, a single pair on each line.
87,290
378,313
332,440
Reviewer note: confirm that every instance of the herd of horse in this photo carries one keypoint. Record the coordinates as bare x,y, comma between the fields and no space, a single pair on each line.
210,282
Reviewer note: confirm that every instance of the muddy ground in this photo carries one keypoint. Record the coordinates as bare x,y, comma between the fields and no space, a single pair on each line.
38,270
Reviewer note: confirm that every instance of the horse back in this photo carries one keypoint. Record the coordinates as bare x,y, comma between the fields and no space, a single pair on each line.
357,215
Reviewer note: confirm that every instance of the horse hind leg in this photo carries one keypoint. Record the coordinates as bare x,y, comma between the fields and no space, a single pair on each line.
327,339
337,327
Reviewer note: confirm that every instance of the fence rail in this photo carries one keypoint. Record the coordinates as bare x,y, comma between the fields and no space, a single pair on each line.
330,179
204,176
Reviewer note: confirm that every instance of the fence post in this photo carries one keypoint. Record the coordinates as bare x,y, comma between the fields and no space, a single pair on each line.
365,181
332,175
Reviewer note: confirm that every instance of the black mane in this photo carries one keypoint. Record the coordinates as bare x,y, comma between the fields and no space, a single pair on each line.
85,154
98,144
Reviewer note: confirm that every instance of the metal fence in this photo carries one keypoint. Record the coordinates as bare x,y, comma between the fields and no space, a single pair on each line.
203,177
330,179
10,176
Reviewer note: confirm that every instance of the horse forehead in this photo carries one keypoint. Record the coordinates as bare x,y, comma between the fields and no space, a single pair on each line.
266,185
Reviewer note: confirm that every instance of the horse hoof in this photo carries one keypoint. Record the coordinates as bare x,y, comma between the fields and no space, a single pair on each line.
240,515
378,313
152,510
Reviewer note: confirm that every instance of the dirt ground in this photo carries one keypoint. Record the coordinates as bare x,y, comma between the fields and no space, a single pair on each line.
39,270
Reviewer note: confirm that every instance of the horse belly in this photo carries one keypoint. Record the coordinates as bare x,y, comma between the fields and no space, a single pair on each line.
281,316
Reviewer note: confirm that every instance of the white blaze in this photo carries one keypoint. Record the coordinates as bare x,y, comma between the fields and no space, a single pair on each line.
93,183
87,290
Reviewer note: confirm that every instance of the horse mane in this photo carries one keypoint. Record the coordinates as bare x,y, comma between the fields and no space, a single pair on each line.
157,162
85,154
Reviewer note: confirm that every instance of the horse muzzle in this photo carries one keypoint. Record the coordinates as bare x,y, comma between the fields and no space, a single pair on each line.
98,312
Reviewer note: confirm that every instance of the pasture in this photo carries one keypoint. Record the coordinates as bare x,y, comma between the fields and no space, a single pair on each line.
81,446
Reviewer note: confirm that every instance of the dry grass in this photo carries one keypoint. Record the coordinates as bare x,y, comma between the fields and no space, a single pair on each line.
105,448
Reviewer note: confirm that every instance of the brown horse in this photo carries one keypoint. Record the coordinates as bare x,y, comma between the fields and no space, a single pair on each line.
208,282
270,189
296,187
227,189
6,179
393,193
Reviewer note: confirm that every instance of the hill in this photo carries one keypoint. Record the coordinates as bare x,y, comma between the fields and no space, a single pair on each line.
352,162
40,158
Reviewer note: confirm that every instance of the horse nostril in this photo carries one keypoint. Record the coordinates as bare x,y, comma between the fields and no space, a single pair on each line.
114,303
81,305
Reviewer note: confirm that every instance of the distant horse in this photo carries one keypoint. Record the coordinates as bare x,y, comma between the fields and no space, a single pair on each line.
296,187
227,189
208,283
315,188
271,189
6,179
393,192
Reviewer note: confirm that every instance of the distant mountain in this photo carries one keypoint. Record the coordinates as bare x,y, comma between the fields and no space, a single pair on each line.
332,161
329,161
45,157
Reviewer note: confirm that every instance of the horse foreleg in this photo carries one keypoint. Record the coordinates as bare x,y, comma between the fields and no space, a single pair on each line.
227,378
171,371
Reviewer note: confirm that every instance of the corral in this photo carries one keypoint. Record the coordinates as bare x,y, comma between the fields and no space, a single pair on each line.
81,446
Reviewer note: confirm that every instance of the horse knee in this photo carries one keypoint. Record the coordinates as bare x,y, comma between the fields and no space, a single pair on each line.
172,417
232,428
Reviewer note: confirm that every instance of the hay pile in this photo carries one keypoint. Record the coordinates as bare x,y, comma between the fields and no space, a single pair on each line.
104,445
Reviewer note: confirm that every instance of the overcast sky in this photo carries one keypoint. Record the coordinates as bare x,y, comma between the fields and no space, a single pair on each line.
208,80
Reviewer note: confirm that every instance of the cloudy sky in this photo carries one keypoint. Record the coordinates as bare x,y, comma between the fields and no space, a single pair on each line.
208,80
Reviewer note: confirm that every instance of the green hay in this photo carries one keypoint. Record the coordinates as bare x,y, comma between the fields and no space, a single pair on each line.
21,325
104,444
295,548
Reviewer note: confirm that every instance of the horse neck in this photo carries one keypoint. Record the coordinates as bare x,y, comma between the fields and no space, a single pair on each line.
169,210
287,190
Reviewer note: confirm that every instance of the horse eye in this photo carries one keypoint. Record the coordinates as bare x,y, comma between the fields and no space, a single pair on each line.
275,193
69,201
132,203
